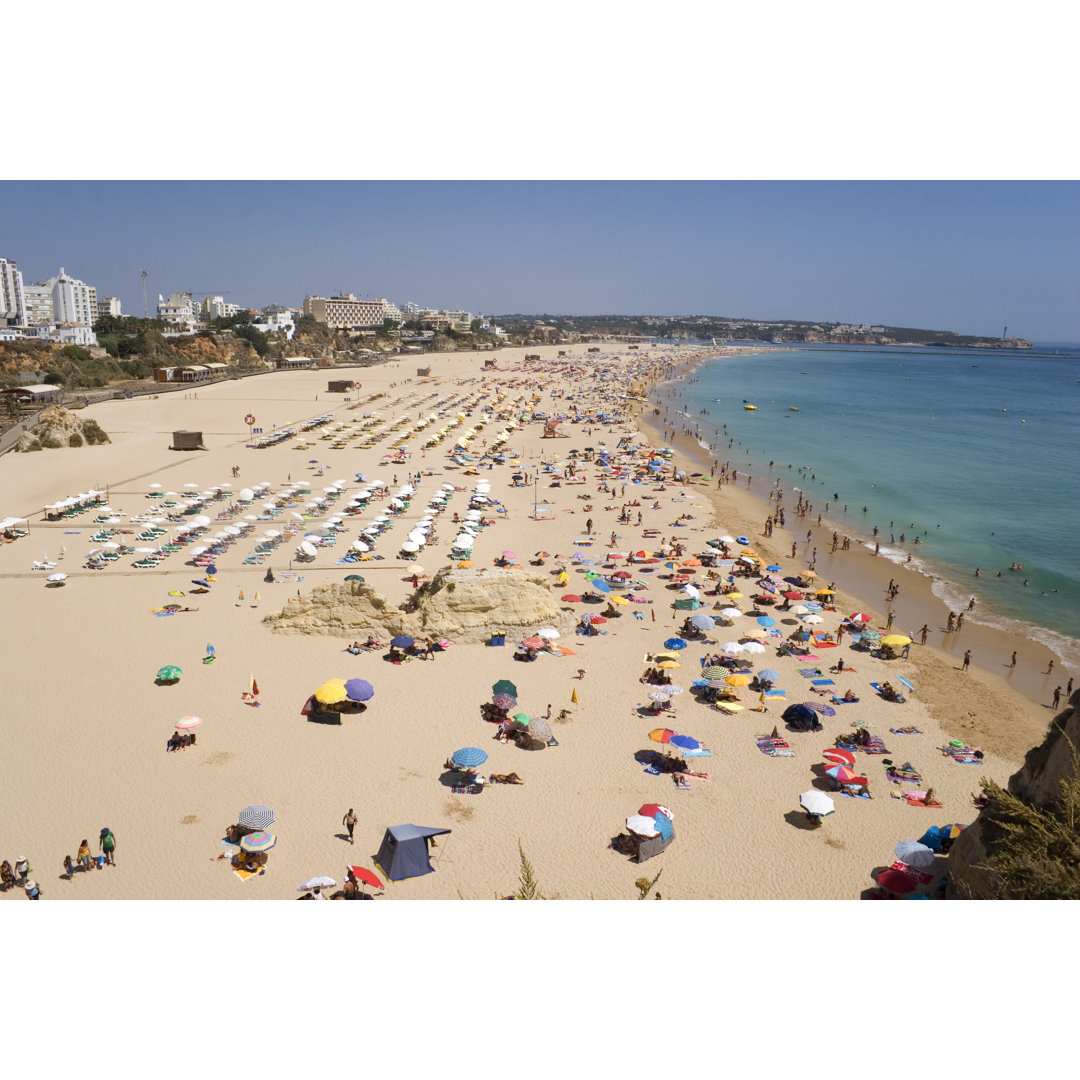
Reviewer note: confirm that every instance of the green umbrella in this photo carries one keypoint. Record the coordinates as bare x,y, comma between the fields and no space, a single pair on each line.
522,718
505,686
169,673
355,577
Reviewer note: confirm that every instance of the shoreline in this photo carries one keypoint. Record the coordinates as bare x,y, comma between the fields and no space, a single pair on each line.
860,576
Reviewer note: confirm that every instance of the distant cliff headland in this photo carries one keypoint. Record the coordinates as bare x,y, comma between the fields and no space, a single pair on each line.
780,332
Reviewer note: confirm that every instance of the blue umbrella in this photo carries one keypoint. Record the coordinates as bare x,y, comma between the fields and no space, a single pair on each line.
600,585
685,742
769,675
469,757
931,838
402,642
664,827
674,643
359,690
764,620
904,682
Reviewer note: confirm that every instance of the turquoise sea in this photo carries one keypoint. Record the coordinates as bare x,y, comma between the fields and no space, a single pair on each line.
977,452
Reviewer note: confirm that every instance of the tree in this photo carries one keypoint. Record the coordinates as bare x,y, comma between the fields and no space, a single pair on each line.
475,325
259,341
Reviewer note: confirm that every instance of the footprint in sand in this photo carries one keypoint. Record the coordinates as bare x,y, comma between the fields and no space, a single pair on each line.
220,758
458,812
190,819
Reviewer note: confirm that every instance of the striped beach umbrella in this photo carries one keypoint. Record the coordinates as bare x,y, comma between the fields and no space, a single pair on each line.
169,673
258,841
185,723
714,671
256,816
469,757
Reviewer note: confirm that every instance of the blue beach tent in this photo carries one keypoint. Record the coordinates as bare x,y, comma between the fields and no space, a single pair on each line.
404,851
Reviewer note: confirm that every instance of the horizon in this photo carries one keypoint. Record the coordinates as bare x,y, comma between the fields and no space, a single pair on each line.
969,257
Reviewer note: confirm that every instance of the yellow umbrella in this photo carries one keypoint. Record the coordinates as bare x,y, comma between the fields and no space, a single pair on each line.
331,692
465,564
825,592
666,664
621,600
739,680
896,640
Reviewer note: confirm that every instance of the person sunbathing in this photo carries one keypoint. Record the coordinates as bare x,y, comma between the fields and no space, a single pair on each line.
849,695
889,693
508,778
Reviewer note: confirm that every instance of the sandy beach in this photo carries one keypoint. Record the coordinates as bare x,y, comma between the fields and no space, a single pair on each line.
87,725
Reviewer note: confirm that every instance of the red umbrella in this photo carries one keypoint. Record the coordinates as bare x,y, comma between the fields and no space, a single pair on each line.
841,773
661,734
839,756
792,594
622,575
534,642
641,555
366,876
572,598
860,617
594,619
896,881
651,809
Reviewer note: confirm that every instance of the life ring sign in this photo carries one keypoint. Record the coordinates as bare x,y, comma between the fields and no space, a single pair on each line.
249,419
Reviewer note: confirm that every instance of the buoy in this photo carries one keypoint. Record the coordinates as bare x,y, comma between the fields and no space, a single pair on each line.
573,696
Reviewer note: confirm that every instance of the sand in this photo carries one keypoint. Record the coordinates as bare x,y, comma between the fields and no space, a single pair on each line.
86,724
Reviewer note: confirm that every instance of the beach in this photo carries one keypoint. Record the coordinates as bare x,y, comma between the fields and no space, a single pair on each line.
87,725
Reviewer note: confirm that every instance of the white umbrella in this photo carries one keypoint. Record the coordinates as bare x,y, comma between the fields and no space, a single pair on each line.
733,647
232,530
146,551
643,826
201,521
154,487
308,548
730,612
316,883
359,545
816,802
813,619
199,550
753,647
272,533
195,486
57,579
907,851
549,632
410,546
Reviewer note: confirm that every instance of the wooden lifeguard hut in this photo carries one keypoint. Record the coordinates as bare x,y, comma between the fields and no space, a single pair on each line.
187,440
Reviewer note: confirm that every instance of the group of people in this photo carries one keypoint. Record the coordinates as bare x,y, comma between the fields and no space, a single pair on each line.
180,740
356,648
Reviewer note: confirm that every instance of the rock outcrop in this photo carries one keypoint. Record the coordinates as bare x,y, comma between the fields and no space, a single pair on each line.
1038,783
57,427
462,605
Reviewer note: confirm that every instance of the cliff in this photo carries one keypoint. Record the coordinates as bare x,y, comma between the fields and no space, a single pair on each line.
57,427
1037,791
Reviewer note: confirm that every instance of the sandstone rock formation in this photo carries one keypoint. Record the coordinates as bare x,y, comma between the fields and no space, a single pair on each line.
461,605
57,427
1038,783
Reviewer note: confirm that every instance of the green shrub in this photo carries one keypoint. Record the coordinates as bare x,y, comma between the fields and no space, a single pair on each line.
51,442
75,440
93,433
31,446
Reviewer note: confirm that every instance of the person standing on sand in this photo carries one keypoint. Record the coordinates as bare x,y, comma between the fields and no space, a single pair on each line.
1057,699
107,845
1012,662
1050,668
349,821
923,632
967,660
889,620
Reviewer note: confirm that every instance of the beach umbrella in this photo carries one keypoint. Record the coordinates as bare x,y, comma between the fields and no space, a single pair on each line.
714,671
841,773
187,722
733,646
818,707
504,686
533,642
258,841
549,633
367,877
504,701
896,641
662,734
56,579
256,816
816,802
651,810
793,594
402,641
169,673
764,620
950,832
354,577
468,757
524,719
668,664
914,854
359,690
661,693
905,682
600,585
753,647
322,882
684,742
799,714
738,680
813,619
675,643
824,592
860,617
643,826
331,692
465,564
839,755
896,881
730,612
768,675
702,622
593,618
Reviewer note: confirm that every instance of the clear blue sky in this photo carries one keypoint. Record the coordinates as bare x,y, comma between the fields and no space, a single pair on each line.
947,255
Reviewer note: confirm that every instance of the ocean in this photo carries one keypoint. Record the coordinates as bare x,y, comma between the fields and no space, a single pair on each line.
977,452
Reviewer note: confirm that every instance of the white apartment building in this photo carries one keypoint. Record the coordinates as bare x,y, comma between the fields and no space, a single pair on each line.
177,309
348,313
12,303
39,303
215,307
73,301
464,317
109,305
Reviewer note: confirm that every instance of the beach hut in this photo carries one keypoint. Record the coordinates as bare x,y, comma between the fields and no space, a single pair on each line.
187,440
403,852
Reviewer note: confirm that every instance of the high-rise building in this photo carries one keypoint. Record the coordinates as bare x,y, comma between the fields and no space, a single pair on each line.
12,302
109,305
178,309
73,301
39,303
348,313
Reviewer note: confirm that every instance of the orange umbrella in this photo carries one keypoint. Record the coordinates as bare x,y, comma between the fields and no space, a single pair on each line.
661,734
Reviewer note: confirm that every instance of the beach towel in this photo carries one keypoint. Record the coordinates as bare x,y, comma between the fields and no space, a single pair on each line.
899,778
875,746
652,770
967,760
823,682
917,798
852,795
840,701
243,874
918,875
810,672
905,731
697,753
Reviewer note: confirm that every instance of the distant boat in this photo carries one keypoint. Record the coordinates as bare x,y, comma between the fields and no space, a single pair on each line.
804,372
752,408
793,408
